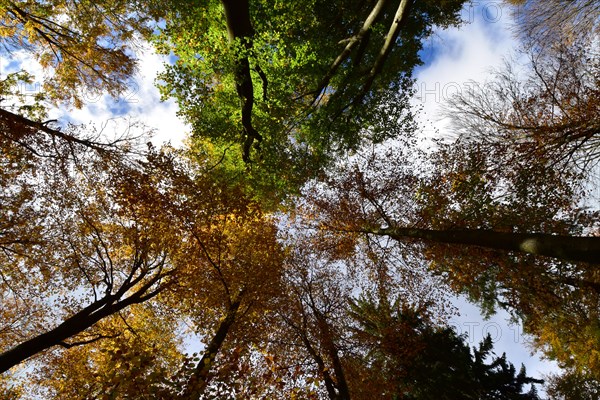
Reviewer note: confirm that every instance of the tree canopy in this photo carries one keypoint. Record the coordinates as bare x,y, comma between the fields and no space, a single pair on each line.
305,242
87,45
296,85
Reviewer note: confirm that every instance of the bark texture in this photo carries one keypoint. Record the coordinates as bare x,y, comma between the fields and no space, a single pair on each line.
239,28
570,248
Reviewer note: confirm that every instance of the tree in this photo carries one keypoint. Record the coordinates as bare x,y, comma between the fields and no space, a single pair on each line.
315,85
544,120
549,22
56,240
136,226
315,320
549,115
418,360
88,45
84,260
108,250
359,349
236,290
321,346
303,349
464,200
569,248
141,349
132,206
573,385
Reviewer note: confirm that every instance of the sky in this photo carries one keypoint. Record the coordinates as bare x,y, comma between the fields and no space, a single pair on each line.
452,58
455,57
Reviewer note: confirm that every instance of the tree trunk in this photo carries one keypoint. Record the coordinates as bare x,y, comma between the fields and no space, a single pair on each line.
569,248
199,379
329,384
331,348
239,27
17,128
72,326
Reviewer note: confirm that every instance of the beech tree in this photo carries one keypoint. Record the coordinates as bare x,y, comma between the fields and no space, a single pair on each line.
570,248
112,256
56,240
326,343
82,242
548,114
135,227
544,118
236,291
573,385
140,349
465,199
543,23
139,360
271,79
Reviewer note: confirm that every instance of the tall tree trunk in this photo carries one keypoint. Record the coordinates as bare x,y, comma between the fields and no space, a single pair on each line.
332,352
239,27
70,327
386,49
329,384
569,248
199,379
17,129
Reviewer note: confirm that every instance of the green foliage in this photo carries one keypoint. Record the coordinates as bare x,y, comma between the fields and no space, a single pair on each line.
309,115
12,97
185,236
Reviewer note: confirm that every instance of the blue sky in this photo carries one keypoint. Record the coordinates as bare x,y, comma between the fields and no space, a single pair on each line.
455,56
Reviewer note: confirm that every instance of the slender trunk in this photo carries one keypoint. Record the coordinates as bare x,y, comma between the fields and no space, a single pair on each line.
17,128
72,326
79,322
343,391
199,379
390,40
329,384
323,370
237,16
239,27
569,248
358,39
330,347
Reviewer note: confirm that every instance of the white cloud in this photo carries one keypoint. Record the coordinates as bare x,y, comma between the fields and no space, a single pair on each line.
159,115
141,102
458,55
